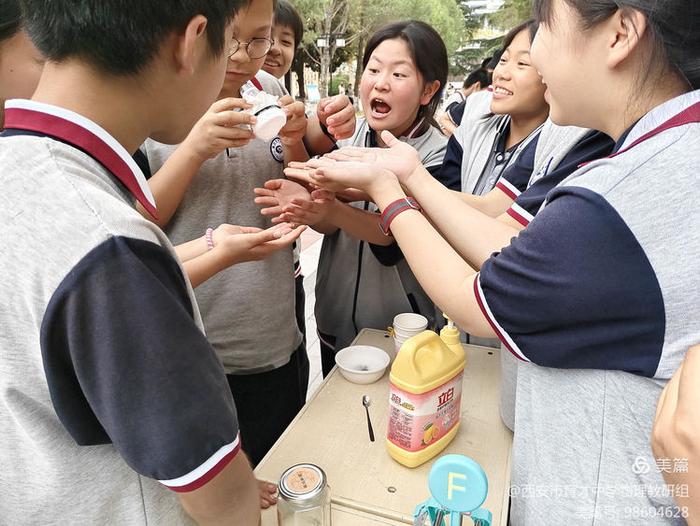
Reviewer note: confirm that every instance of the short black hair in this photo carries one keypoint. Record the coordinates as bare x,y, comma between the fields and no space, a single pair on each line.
287,15
120,37
495,59
479,75
10,19
529,25
428,51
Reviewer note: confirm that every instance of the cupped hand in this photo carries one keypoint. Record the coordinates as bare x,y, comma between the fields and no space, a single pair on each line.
302,172
308,212
277,194
399,158
341,176
253,244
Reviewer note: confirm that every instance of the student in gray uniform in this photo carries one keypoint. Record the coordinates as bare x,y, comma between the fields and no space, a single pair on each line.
487,142
597,295
248,310
363,280
490,139
103,347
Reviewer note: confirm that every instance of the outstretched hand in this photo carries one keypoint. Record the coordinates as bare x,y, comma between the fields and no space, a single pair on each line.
277,194
302,172
399,158
340,176
308,212
253,244
676,427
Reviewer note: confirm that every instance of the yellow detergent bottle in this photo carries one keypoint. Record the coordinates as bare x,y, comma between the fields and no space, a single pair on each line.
425,396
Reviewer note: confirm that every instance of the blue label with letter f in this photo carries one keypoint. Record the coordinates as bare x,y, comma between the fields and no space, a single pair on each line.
458,483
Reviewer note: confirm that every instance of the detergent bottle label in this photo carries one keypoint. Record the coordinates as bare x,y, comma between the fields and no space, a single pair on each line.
419,420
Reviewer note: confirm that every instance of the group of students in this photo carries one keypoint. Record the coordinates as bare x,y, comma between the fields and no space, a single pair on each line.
572,240
557,217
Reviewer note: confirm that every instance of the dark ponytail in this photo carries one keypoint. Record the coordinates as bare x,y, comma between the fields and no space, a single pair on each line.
428,52
10,19
674,26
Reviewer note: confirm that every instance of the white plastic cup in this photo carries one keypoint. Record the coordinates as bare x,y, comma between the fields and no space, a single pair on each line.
270,121
406,325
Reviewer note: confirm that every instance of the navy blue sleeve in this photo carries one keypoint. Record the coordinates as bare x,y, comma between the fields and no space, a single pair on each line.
516,177
576,290
450,173
594,145
127,365
456,112
142,162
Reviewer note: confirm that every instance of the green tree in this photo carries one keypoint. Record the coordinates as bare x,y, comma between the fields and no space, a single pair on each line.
511,13
356,20
446,16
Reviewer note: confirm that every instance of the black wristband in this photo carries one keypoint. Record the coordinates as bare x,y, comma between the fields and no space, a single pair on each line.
326,132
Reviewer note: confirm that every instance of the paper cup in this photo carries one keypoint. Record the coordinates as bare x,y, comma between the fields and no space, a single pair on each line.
270,122
406,325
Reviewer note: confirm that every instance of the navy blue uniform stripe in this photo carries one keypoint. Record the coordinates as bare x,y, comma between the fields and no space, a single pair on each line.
588,299
124,361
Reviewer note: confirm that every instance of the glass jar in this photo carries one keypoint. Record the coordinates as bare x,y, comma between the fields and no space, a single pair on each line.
305,497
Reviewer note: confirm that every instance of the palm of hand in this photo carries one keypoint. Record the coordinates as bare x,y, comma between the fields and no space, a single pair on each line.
226,230
401,160
288,191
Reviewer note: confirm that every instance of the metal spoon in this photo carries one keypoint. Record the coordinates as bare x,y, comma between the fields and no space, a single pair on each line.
366,402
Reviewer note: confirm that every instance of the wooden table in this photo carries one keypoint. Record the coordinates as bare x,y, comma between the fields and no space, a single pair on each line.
367,485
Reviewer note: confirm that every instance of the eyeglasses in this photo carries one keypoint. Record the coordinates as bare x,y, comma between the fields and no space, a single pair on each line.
256,47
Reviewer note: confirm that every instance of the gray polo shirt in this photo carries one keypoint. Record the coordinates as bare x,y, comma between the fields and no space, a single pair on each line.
248,309
599,295
385,284
107,383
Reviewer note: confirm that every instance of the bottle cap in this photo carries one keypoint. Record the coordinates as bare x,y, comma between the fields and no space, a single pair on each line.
302,482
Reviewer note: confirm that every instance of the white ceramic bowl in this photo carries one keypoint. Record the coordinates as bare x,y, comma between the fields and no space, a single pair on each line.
362,364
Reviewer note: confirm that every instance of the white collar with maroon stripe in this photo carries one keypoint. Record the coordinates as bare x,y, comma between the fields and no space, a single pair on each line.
86,135
660,115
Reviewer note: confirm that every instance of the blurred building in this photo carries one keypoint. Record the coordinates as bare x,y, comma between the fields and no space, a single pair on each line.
484,7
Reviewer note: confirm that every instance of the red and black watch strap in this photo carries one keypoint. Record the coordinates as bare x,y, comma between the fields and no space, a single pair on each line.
393,209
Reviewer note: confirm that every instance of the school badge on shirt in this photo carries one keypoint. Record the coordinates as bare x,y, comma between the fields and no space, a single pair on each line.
276,149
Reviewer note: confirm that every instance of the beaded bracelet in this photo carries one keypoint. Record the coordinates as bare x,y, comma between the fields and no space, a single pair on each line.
209,236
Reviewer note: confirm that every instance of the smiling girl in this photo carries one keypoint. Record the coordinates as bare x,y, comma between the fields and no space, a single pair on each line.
484,146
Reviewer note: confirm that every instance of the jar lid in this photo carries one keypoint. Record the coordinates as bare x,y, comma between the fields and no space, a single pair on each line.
302,482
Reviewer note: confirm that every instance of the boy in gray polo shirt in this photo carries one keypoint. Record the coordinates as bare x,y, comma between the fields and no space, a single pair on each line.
102,343
248,310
